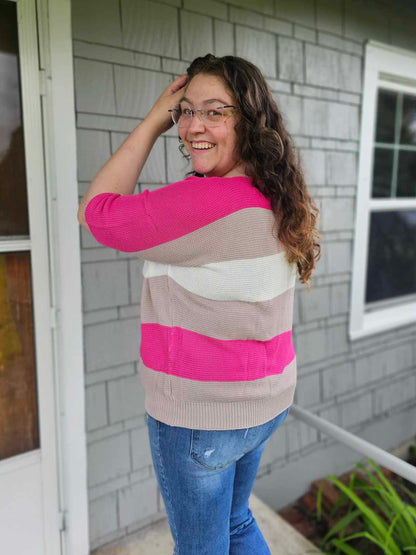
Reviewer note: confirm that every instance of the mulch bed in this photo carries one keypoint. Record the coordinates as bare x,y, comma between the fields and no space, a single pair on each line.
302,513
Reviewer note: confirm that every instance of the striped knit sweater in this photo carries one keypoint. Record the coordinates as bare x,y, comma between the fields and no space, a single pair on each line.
216,349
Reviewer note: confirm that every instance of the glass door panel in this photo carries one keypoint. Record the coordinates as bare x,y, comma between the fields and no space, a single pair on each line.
19,428
13,196
18,400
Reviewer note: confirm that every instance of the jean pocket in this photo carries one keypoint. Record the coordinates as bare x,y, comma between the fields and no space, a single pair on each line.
215,449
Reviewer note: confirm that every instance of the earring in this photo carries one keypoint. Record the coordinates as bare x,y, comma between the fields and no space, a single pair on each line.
181,148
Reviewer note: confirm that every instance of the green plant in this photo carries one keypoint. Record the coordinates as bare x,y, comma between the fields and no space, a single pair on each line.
373,508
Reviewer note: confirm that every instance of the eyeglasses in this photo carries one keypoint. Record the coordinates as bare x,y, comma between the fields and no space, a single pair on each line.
211,118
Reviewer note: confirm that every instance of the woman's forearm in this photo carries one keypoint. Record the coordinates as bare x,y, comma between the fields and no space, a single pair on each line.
121,172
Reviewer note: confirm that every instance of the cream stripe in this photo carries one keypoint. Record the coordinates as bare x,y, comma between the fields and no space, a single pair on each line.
250,280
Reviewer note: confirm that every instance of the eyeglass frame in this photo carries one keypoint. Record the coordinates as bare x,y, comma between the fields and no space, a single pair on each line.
201,117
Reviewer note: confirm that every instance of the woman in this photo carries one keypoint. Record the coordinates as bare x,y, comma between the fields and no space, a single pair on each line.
217,358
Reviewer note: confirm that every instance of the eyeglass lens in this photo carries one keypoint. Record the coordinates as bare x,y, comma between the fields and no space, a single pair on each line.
210,117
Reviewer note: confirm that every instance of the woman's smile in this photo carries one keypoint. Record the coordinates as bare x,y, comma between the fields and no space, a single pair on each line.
202,146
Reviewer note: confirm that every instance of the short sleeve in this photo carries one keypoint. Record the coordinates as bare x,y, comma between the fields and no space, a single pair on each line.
172,223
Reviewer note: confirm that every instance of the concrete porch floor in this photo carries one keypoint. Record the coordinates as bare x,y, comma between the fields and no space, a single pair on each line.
156,539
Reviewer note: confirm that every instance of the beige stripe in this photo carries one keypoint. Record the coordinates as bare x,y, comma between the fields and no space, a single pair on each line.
220,319
217,405
243,234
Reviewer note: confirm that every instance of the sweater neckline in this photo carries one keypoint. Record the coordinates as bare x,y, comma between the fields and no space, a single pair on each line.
219,177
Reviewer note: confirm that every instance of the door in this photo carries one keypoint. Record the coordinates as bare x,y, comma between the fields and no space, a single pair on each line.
29,492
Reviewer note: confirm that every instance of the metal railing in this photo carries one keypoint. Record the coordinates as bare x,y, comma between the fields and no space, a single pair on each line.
364,447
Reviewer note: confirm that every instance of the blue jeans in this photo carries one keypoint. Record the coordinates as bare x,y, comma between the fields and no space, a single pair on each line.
205,478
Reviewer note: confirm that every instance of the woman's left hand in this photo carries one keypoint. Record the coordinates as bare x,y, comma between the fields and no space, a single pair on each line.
170,97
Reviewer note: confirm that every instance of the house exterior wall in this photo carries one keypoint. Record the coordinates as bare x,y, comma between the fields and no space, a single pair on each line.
125,53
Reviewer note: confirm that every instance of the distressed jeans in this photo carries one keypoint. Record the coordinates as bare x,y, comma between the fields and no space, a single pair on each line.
205,478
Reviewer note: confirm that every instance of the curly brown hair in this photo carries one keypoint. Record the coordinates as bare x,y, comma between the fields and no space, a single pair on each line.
270,158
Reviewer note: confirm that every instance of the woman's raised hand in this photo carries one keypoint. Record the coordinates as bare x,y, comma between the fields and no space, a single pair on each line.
170,97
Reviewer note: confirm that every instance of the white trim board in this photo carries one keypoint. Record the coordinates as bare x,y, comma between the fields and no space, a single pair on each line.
54,20
385,66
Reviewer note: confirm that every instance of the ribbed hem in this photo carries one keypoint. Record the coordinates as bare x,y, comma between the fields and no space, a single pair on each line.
217,416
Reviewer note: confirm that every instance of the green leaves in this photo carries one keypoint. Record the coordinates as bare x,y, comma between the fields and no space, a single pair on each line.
384,519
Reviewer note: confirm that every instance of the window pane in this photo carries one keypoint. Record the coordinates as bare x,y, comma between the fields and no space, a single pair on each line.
386,113
382,172
408,130
406,178
18,395
391,268
13,197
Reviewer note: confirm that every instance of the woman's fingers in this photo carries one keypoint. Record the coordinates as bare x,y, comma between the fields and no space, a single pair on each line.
178,84
169,98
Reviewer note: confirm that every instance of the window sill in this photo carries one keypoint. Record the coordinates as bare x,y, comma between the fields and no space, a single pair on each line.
384,320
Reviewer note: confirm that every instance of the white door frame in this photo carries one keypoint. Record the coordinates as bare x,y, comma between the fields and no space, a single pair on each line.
57,84
42,463
56,271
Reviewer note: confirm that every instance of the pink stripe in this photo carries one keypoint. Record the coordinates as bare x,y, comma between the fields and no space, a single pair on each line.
138,222
198,357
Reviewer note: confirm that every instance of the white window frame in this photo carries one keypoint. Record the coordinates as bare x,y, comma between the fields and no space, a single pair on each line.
392,68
